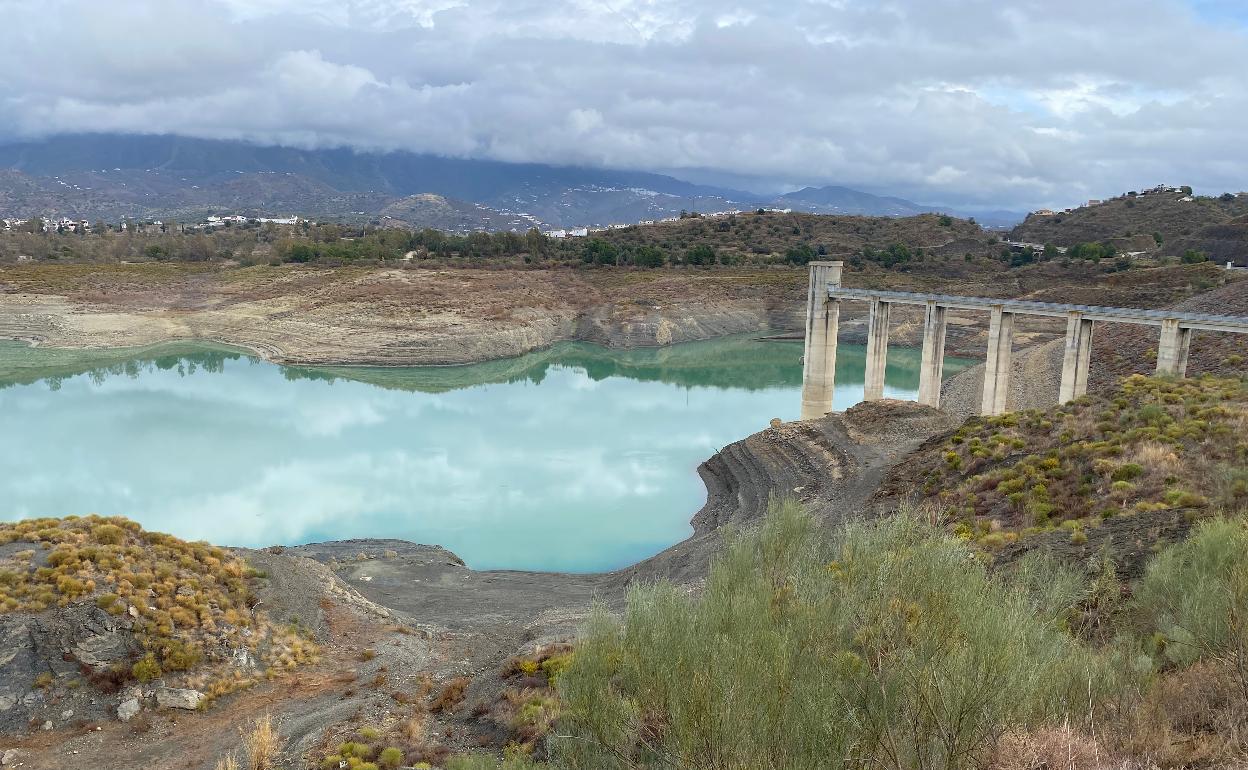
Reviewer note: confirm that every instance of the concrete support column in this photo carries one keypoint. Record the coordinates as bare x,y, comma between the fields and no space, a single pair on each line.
1172,351
877,350
932,368
823,317
1078,357
1000,361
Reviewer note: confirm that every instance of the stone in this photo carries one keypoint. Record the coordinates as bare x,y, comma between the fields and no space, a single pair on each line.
174,698
134,611
128,709
9,757
47,725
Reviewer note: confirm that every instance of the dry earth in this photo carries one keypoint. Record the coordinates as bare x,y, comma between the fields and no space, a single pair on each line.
439,315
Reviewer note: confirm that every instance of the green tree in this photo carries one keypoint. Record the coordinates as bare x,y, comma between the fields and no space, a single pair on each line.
600,252
536,242
1193,257
649,256
800,254
702,254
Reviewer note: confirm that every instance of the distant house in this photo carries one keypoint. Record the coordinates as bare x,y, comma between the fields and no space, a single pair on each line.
1046,213
578,232
1095,202
557,234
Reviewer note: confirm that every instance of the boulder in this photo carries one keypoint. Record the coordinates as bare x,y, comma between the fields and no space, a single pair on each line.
128,709
174,698
9,757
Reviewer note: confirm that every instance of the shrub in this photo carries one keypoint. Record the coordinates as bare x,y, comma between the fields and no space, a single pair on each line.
927,657
261,744
390,757
1194,598
146,668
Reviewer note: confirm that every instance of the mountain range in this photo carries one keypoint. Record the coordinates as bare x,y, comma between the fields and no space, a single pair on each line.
110,176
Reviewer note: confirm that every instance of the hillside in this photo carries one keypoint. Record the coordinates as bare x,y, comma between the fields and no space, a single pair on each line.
1180,223
831,237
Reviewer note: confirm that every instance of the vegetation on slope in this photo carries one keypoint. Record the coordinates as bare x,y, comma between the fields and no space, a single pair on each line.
1153,445
189,604
1157,219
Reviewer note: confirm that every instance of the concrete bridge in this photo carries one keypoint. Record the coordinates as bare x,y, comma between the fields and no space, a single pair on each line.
823,311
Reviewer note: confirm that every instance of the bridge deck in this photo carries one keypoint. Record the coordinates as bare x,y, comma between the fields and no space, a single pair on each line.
1221,323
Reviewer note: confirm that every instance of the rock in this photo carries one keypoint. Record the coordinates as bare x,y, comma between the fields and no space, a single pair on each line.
47,725
134,611
174,698
9,757
128,709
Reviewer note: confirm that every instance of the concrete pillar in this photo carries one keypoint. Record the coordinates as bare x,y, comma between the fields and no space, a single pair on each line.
932,368
877,350
1173,349
823,316
1078,357
1000,360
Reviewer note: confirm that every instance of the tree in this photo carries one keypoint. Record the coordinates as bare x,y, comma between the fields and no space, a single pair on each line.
300,252
600,252
946,220
535,242
1227,197
1193,257
800,254
649,256
701,254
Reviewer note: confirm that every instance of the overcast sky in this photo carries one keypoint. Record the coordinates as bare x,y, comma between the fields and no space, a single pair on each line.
1011,103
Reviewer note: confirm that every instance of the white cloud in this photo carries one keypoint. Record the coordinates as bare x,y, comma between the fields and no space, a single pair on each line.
1018,103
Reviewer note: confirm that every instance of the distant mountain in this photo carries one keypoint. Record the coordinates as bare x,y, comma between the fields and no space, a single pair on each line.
842,200
109,176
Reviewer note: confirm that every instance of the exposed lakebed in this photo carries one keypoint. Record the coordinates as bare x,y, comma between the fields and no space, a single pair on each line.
574,458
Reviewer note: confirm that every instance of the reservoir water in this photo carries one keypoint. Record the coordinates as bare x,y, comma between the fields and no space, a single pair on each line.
574,458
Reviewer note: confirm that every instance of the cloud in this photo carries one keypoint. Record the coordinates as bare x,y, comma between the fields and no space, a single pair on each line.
956,101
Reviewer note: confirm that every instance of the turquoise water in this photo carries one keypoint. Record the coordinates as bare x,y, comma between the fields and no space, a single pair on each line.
576,458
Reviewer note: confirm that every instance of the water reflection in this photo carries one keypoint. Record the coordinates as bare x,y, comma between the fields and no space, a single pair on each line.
573,458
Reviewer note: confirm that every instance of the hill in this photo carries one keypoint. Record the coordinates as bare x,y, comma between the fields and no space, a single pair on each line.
833,237
1173,220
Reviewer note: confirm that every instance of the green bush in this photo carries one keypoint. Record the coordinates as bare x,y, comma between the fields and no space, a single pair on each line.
390,757
887,644
146,669
1194,598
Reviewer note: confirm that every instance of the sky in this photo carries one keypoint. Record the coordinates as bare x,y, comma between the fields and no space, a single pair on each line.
992,103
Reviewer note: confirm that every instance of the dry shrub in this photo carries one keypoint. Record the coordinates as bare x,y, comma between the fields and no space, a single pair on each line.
1190,717
261,744
228,762
1052,748
1157,459
452,694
